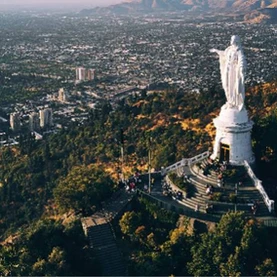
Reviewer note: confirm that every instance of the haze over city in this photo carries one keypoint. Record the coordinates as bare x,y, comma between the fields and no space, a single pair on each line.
15,4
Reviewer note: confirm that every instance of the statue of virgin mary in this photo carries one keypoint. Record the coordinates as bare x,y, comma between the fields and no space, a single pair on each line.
232,70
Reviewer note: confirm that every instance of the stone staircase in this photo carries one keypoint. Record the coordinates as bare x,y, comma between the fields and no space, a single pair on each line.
103,242
100,236
116,204
98,228
247,194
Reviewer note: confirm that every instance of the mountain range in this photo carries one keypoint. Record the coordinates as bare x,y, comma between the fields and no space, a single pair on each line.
252,10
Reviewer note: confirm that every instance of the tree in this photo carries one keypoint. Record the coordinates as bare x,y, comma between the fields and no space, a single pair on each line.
39,268
267,268
218,251
205,254
233,265
177,250
57,264
230,229
8,260
236,247
83,189
129,223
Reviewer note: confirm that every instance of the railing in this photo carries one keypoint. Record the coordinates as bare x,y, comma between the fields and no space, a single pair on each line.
180,209
185,162
270,222
199,157
175,166
259,186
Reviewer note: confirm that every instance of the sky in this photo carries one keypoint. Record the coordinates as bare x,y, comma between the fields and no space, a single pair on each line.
43,2
65,3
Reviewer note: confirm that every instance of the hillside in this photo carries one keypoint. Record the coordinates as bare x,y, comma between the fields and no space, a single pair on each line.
44,182
255,11
268,15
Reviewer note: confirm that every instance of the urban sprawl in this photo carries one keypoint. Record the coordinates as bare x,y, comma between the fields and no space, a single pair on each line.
55,68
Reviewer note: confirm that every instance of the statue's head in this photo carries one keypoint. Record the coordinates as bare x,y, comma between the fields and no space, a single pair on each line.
235,40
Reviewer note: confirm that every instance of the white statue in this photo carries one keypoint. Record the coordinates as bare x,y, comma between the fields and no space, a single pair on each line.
232,69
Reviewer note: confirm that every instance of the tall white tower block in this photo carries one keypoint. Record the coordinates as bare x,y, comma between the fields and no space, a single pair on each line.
233,136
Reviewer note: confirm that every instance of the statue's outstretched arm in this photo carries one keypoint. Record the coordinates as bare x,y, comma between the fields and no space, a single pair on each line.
219,52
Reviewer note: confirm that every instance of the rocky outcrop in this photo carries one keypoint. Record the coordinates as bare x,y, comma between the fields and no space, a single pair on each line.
267,15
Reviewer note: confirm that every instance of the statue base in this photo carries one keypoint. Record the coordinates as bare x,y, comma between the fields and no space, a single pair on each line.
233,136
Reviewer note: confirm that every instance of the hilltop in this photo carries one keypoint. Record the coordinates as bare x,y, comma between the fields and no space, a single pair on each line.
43,182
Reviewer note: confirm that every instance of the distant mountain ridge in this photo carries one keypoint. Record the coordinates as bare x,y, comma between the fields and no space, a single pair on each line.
252,9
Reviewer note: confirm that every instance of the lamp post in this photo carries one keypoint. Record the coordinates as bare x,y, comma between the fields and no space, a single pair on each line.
149,164
236,192
122,163
122,154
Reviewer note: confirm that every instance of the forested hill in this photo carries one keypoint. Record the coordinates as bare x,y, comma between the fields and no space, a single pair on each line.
76,169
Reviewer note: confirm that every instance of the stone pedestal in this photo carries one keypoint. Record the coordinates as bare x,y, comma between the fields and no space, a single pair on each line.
233,136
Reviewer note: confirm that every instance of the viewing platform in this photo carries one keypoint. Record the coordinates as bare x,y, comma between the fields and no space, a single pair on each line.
215,188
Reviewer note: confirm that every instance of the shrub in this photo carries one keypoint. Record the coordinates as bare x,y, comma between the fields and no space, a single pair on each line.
179,182
217,196
232,197
234,174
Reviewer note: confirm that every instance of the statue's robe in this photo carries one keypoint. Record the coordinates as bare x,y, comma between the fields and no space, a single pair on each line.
232,69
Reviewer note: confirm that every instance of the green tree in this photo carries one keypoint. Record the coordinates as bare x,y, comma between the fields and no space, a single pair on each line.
267,268
129,223
205,254
177,251
233,265
39,268
57,264
83,189
218,248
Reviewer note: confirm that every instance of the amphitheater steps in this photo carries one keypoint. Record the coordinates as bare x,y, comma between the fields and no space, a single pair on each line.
247,194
